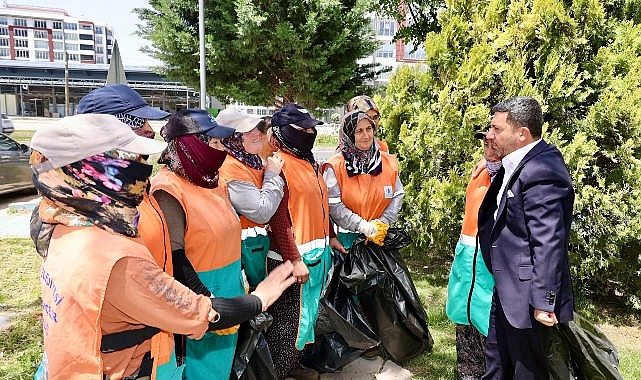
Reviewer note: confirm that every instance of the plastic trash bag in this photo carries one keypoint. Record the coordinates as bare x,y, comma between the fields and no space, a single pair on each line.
253,360
591,354
379,277
342,334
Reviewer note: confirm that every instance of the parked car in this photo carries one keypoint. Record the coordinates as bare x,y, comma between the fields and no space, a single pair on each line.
6,125
15,171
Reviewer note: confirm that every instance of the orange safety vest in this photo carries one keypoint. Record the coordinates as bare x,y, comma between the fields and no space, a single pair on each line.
211,221
213,246
308,208
364,194
233,169
308,204
254,240
74,278
152,227
474,195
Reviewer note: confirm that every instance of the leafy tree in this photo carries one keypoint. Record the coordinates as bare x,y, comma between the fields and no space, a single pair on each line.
304,51
582,60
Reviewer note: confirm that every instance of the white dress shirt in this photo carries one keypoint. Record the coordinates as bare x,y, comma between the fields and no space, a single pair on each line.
510,162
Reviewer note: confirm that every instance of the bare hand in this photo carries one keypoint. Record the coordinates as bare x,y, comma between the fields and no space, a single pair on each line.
545,317
336,245
301,273
274,164
275,284
478,168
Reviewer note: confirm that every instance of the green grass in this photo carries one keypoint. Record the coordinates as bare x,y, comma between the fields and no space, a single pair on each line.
21,342
326,141
22,136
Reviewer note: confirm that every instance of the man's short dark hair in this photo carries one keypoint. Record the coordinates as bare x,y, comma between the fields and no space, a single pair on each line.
522,111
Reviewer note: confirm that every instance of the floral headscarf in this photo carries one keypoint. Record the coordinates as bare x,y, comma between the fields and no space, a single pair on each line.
102,190
235,147
358,161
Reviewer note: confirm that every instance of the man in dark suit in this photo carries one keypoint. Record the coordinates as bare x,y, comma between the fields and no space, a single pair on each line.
524,229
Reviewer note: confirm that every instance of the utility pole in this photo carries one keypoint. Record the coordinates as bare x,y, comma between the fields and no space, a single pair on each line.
67,110
201,37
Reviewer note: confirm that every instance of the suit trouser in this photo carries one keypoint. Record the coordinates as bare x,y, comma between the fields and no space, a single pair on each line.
512,353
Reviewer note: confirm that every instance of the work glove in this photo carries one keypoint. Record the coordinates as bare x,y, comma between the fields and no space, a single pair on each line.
368,229
381,232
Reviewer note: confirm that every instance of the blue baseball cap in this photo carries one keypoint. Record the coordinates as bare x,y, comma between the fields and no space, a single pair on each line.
118,98
295,115
192,120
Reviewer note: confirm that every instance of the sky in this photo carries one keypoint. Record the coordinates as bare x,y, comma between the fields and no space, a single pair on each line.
116,13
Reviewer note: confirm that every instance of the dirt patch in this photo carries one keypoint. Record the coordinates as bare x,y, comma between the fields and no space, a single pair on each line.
623,337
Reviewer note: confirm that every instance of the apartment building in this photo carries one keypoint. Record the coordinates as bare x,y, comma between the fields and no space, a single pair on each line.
38,34
390,54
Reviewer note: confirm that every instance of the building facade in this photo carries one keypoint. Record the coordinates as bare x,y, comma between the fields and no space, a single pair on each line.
390,53
34,72
39,34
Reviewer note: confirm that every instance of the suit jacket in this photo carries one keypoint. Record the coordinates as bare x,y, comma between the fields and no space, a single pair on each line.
526,247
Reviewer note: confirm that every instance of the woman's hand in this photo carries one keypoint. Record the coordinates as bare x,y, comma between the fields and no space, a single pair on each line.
301,273
478,168
336,245
274,164
275,284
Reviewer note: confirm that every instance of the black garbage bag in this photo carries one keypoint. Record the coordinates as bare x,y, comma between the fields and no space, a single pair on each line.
379,277
592,354
253,360
342,334
559,360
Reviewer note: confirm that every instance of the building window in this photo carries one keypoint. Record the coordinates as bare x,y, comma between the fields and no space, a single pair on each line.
39,23
386,28
86,57
71,36
42,55
40,34
20,22
71,25
86,37
59,56
100,50
22,53
384,76
108,51
4,32
73,47
86,27
99,40
57,45
5,53
419,54
100,60
3,21
38,44
4,42
386,51
100,30
86,47
20,32
22,43
58,36
73,57
57,25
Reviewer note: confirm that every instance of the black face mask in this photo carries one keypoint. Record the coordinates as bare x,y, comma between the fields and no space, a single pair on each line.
296,140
